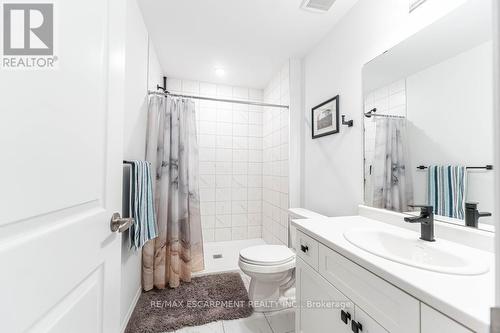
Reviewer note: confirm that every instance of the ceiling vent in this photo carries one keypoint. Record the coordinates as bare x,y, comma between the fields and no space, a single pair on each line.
319,6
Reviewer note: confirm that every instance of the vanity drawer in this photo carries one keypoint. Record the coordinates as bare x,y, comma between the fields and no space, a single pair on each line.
307,249
435,322
392,308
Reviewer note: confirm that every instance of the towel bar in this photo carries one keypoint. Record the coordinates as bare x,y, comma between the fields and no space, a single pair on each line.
487,167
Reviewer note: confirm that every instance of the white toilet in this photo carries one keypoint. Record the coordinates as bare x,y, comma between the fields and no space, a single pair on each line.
272,271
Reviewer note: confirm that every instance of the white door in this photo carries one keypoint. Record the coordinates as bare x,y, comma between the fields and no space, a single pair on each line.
60,177
319,304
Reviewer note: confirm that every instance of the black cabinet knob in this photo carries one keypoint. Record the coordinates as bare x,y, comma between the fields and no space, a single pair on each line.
345,316
304,248
356,327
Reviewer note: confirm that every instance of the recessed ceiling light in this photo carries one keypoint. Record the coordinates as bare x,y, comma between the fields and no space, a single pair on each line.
220,72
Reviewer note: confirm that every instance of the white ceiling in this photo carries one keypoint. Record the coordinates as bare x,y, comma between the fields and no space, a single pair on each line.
250,39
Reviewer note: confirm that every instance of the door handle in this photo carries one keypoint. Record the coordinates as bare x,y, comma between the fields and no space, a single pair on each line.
120,224
356,327
345,316
304,248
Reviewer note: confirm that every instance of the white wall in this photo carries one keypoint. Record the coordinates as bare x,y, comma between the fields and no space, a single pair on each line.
295,164
155,71
450,113
276,155
496,124
142,72
333,165
230,154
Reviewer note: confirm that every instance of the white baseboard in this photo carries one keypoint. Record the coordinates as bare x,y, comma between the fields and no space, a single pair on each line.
131,309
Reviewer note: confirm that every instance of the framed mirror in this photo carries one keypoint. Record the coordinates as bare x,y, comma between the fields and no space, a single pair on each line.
428,121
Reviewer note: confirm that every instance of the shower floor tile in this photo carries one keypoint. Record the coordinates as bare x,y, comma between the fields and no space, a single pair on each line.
223,256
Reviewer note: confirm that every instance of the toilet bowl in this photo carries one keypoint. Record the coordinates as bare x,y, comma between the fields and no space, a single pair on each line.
271,269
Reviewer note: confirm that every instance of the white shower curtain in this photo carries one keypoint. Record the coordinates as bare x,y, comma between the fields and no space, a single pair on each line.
392,186
172,150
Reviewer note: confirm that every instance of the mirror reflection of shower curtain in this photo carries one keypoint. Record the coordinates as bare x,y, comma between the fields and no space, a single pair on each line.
172,150
391,182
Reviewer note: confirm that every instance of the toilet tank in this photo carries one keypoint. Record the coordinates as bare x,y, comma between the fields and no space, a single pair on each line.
295,214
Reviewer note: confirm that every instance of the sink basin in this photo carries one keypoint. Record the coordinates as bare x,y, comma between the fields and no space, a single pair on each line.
406,248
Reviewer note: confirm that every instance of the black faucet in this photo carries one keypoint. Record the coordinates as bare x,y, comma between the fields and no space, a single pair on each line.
472,215
426,220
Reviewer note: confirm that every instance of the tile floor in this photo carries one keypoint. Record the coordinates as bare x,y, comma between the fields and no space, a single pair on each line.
257,323
275,322
230,252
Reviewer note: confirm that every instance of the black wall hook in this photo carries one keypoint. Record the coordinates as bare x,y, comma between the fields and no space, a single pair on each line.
348,123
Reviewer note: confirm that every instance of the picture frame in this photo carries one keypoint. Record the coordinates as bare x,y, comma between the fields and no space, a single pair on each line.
325,118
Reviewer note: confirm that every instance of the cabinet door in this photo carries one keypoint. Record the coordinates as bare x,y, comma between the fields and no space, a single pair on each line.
317,303
368,324
307,249
391,307
433,321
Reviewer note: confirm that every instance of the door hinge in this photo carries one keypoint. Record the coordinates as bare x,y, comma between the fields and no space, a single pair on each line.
495,320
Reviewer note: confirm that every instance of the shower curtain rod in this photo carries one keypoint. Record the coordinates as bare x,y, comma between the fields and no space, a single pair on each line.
218,99
384,116
372,113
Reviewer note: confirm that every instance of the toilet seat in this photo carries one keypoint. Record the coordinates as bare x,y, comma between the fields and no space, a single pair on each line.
267,255
267,259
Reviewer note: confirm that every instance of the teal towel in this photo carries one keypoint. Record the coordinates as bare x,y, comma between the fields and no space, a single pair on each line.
446,190
143,211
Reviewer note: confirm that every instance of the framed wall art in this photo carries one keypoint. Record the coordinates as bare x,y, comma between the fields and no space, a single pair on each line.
325,118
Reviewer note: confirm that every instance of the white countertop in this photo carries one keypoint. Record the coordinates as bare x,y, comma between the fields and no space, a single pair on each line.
467,299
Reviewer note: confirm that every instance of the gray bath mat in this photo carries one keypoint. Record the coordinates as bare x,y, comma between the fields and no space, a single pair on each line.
206,299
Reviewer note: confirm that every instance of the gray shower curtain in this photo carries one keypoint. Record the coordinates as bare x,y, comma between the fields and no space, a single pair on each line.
172,150
392,186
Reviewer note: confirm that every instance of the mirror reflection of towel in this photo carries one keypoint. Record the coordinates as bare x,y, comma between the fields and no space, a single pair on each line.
446,187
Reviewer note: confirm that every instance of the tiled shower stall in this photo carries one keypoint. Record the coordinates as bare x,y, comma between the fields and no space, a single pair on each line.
243,159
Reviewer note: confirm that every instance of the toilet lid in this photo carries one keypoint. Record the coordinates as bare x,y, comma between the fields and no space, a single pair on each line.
267,254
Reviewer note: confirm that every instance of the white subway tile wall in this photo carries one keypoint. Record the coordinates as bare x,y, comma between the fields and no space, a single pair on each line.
388,100
275,138
231,159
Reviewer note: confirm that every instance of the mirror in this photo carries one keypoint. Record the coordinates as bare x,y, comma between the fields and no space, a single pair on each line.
428,115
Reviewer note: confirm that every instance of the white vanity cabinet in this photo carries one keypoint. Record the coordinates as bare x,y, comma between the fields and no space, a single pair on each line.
314,295
322,308
435,322
394,309
368,324
370,302
307,249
